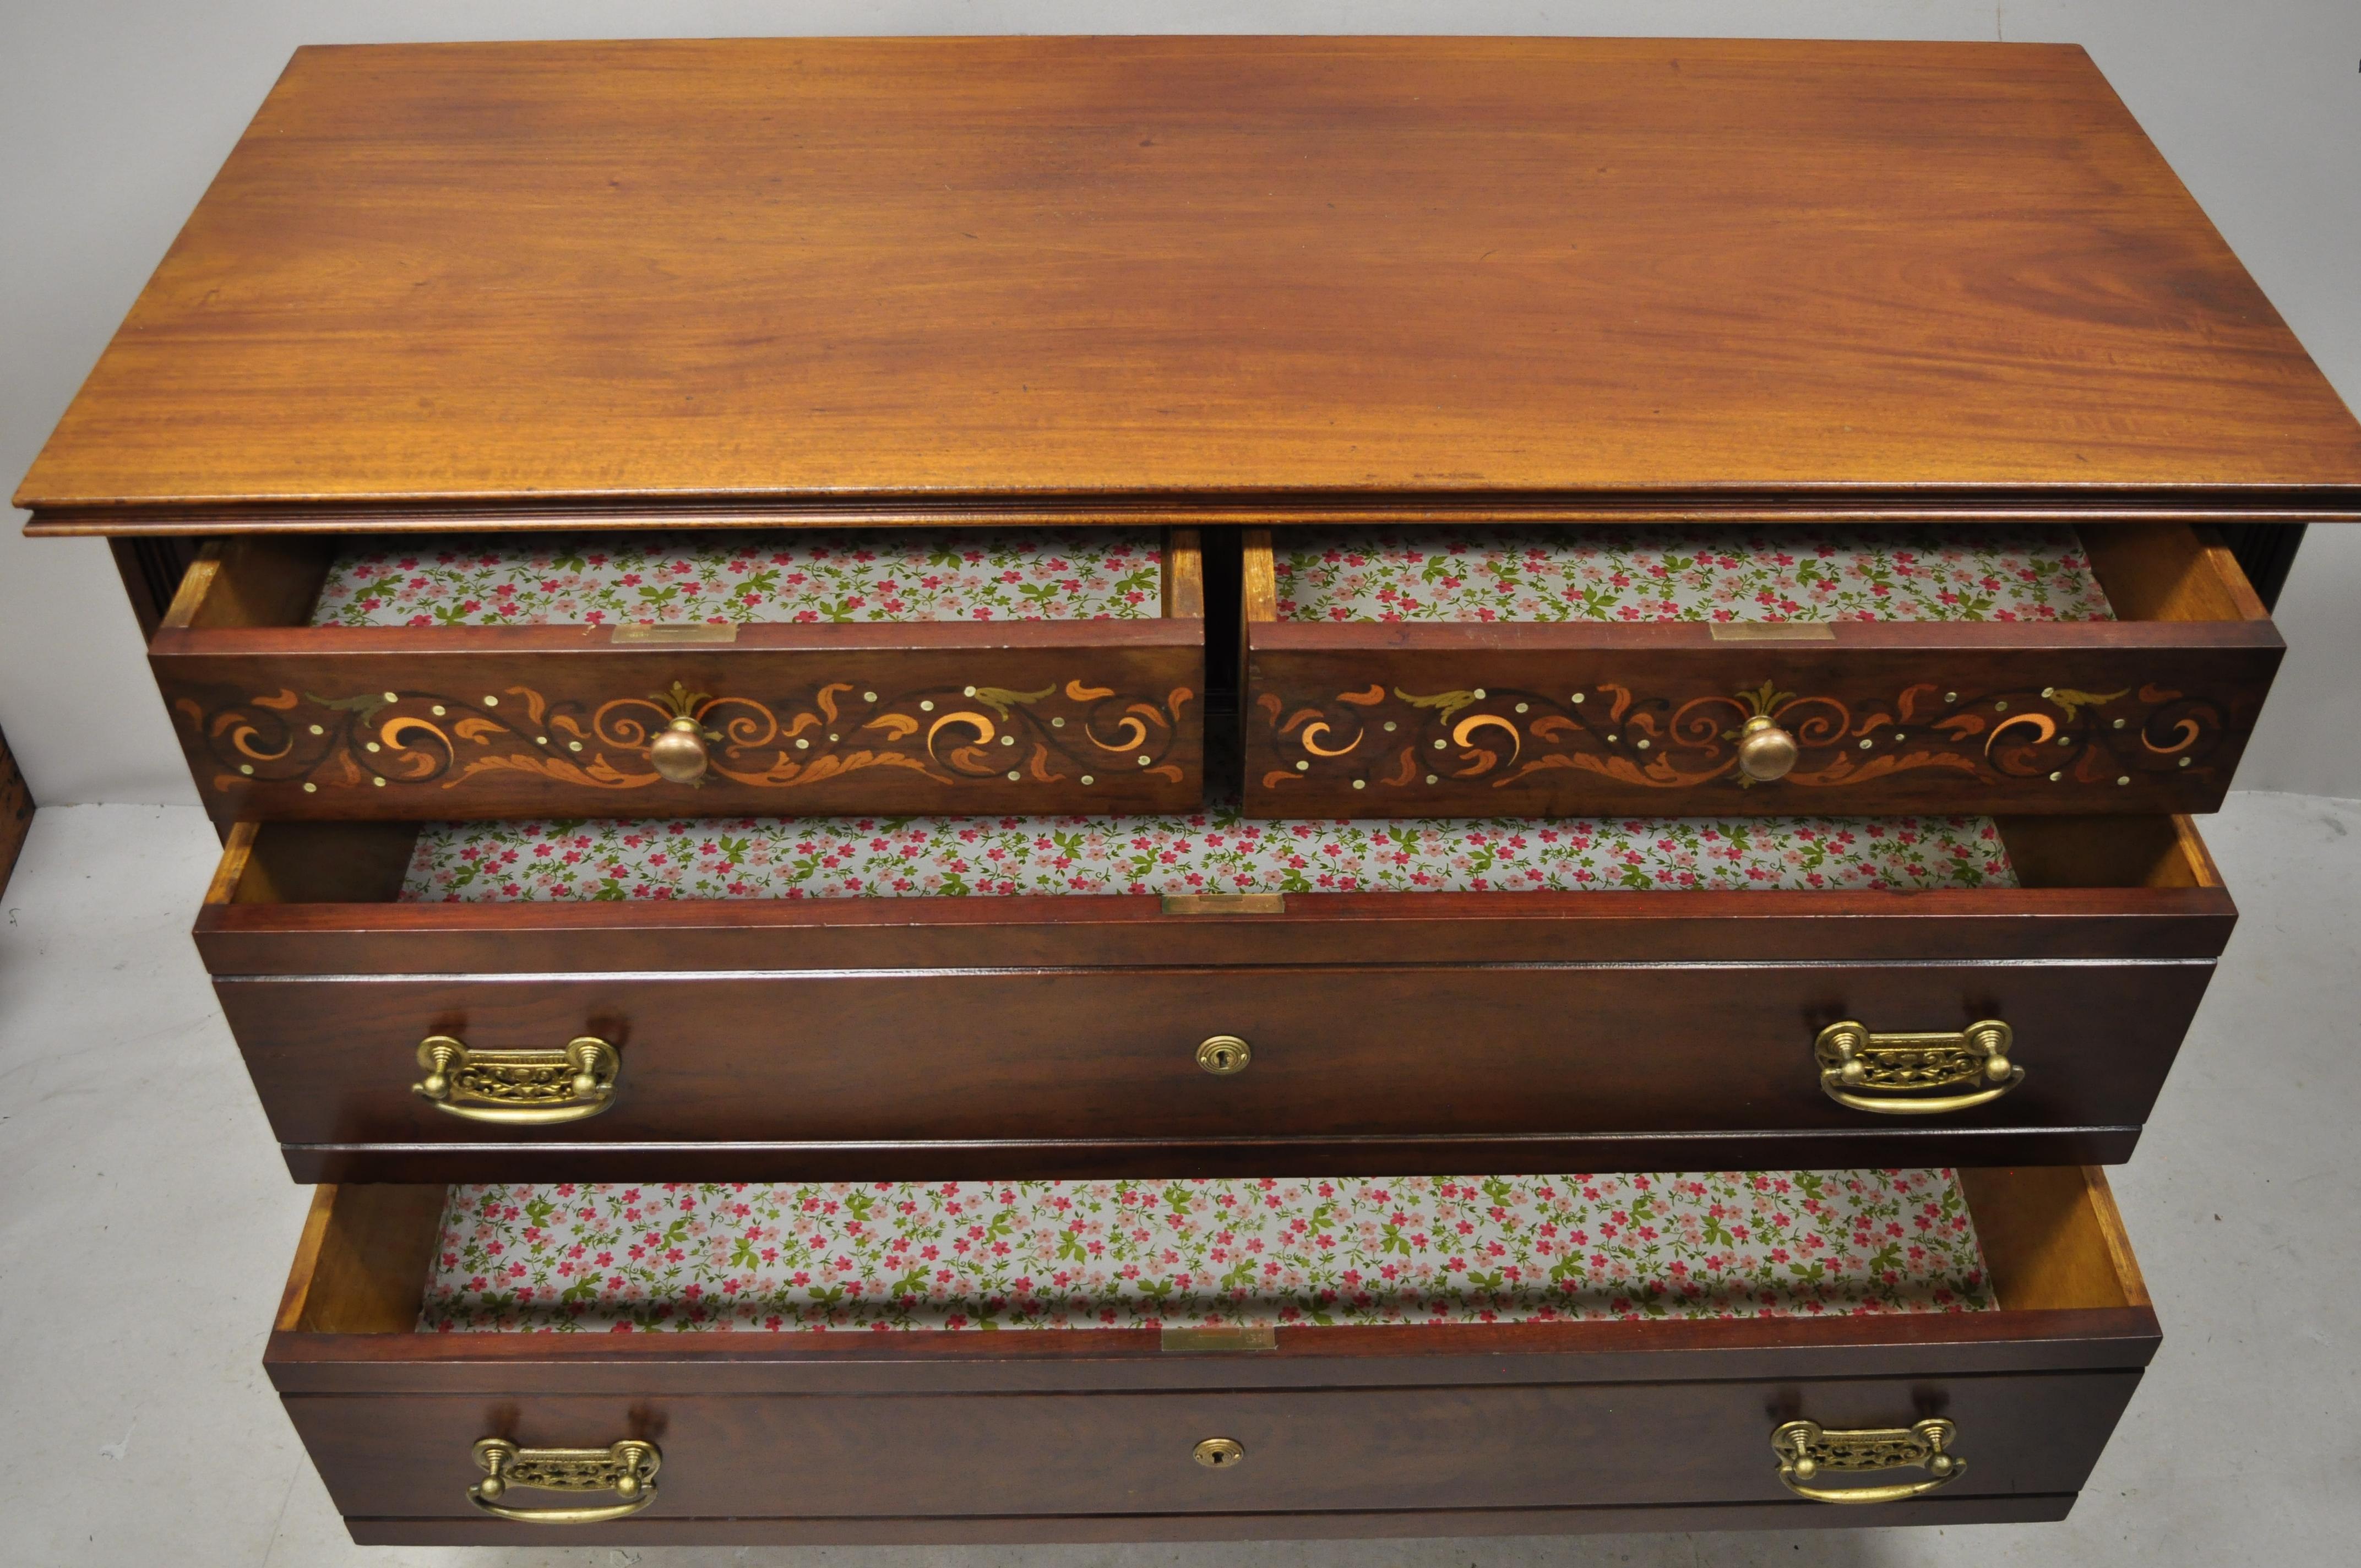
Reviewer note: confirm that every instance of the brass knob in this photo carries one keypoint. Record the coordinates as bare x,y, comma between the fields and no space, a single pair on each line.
679,752
1765,751
1219,1453
1223,1055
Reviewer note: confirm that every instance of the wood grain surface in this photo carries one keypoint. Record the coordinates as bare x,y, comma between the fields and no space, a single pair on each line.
2149,711
1086,1434
314,898
1309,1452
2023,1508
283,719
926,1037
501,722
927,277
1354,1070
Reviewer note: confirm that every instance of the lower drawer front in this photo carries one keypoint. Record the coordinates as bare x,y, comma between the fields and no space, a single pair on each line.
1349,1068
1436,1424
2027,1439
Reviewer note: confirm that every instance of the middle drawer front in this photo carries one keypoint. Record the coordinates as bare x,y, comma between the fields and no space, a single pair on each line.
2031,1017
1360,1070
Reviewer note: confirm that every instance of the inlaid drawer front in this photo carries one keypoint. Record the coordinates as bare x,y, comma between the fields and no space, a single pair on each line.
821,1427
2022,1003
1442,671
765,671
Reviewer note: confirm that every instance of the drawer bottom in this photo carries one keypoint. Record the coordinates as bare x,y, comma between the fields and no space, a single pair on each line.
1634,1409
1130,1528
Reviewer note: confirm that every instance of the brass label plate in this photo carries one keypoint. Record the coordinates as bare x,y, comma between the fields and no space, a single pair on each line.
676,634
1226,903
1200,1342
1772,631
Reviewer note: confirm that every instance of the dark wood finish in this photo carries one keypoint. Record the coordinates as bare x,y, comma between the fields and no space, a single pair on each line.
1355,1070
776,1039
1936,1512
16,812
717,280
280,719
2146,713
803,935
2098,888
1422,1450
152,568
1024,1435
508,1157
2266,554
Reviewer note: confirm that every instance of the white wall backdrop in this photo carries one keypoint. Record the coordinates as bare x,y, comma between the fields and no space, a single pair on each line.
117,113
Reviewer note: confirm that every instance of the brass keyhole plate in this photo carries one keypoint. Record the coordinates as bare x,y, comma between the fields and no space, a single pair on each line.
1223,1055
1219,1453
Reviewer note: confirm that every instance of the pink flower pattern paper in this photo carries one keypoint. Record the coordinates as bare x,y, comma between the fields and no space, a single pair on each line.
1211,852
950,1256
1694,573
726,577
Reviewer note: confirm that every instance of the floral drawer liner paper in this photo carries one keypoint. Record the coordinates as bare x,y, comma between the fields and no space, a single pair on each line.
1215,850
676,579
1699,574
966,1255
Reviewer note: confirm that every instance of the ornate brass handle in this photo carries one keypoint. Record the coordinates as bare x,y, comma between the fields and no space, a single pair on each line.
1223,1055
518,1088
1806,1450
1765,751
628,1469
1889,1073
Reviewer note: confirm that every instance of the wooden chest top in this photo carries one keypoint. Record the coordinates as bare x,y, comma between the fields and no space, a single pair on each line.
1277,277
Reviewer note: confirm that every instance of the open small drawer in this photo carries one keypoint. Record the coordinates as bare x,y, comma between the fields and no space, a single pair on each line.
1417,672
698,673
778,999
732,1365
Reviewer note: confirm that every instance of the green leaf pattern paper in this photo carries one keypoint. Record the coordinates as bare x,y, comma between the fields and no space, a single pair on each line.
952,1255
722,578
1215,850
1693,574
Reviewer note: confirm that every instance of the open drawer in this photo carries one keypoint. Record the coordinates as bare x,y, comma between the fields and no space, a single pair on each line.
1255,1359
1410,672
1033,997
690,672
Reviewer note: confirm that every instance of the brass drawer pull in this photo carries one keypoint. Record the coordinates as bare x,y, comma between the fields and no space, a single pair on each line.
1223,1055
1889,1073
1219,1453
628,1469
1806,1451
518,1088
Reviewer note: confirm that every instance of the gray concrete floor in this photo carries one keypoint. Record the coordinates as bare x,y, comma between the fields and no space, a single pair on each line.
146,1224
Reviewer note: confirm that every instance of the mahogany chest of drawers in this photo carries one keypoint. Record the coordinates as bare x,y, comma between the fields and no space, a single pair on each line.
858,690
